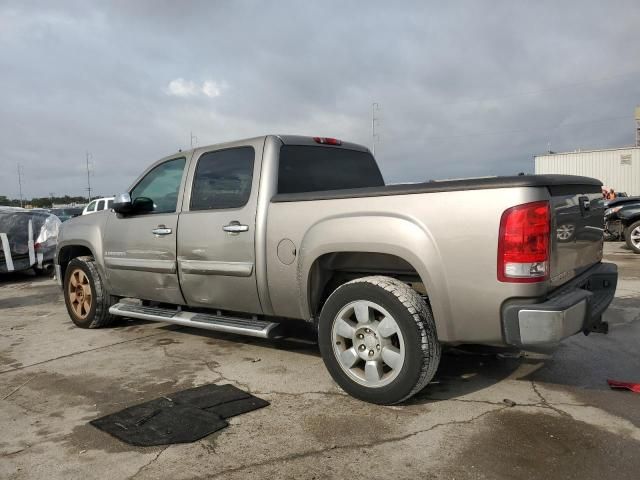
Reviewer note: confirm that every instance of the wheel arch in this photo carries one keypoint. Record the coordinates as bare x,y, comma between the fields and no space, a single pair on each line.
68,252
363,245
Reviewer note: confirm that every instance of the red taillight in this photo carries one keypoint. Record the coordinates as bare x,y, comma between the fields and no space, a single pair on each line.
523,244
327,141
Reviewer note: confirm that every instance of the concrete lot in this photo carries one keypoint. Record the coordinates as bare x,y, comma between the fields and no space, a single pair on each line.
566,423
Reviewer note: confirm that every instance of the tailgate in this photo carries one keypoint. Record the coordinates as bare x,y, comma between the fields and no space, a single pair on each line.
577,230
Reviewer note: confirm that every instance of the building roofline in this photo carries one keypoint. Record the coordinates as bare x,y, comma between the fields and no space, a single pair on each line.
630,147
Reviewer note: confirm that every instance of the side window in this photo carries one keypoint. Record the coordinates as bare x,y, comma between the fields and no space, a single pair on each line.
161,185
100,205
223,179
109,203
92,207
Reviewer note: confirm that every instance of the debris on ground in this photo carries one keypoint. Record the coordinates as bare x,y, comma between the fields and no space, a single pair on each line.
618,385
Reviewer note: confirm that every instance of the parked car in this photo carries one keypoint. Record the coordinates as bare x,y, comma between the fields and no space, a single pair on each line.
27,240
622,221
67,213
245,236
98,205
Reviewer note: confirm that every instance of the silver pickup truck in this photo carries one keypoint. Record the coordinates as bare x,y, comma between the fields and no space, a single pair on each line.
247,236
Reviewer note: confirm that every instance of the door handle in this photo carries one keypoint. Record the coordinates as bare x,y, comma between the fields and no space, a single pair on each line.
161,230
235,227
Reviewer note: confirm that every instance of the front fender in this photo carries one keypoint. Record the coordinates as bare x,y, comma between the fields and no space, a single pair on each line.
398,235
84,231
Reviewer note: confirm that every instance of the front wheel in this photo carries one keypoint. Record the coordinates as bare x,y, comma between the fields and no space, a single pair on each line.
85,295
378,340
632,236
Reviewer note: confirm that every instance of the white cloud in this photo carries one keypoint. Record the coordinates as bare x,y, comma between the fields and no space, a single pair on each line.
212,89
180,87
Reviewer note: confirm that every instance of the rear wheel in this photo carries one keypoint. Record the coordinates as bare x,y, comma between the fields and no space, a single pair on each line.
632,236
378,339
85,296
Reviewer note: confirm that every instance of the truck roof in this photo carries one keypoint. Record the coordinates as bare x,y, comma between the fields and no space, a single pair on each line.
286,140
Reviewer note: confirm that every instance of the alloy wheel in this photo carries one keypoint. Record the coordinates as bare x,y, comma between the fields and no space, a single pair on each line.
368,343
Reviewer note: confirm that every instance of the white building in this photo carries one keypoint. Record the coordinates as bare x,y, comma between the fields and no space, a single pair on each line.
617,168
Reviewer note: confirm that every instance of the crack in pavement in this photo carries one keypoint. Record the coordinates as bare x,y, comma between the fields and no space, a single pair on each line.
311,453
546,404
146,465
85,351
18,388
517,404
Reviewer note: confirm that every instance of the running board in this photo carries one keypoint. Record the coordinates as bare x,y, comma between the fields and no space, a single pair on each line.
253,327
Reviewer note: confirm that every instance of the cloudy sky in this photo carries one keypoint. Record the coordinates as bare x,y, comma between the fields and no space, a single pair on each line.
465,88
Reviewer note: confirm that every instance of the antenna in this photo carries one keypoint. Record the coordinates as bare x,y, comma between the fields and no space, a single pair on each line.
20,184
375,106
88,177
192,137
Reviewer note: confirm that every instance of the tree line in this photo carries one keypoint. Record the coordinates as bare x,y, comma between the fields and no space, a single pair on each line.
42,202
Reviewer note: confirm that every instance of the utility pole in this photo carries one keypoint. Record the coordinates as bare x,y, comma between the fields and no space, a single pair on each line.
375,106
51,197
192,137
88,177
20,184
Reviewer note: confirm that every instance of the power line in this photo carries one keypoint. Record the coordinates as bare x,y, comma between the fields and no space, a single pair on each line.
88,178
20,170
375,106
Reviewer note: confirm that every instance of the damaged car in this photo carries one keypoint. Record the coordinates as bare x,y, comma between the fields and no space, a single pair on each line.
28,239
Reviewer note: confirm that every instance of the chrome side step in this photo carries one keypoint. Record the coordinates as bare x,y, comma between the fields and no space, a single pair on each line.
253,327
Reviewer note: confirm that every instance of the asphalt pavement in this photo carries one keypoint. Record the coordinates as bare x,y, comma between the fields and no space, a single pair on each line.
485,415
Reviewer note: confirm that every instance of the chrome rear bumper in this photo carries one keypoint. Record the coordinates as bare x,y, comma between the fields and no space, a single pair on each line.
573,308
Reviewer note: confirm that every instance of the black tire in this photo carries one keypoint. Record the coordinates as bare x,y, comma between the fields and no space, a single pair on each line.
98,314
628,239
413,317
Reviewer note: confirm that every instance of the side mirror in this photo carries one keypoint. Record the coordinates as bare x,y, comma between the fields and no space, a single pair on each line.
122,203
143,205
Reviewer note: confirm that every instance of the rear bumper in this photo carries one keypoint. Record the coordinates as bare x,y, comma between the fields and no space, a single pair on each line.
575,307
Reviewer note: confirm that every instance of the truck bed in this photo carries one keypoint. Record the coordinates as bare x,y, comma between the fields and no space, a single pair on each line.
442,186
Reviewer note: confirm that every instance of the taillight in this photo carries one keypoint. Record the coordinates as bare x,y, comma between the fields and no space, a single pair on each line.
327,141
523,244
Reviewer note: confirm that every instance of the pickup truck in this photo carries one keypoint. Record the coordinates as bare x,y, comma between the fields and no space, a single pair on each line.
246,236
622,220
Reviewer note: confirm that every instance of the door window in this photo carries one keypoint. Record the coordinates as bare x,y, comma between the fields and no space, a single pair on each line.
223,179
161,185
91,207
100,205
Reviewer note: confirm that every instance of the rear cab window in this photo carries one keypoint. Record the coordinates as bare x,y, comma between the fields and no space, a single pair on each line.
304,168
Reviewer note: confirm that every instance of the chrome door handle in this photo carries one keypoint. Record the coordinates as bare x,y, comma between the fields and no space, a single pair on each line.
161,230
235,227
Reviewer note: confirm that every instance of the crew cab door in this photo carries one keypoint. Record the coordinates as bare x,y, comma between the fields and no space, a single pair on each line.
140,248
216,234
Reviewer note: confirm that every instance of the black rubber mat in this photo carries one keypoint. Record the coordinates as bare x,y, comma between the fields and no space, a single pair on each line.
181,417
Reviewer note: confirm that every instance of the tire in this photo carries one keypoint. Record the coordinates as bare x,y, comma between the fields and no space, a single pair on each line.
371,357
632,236
82,280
